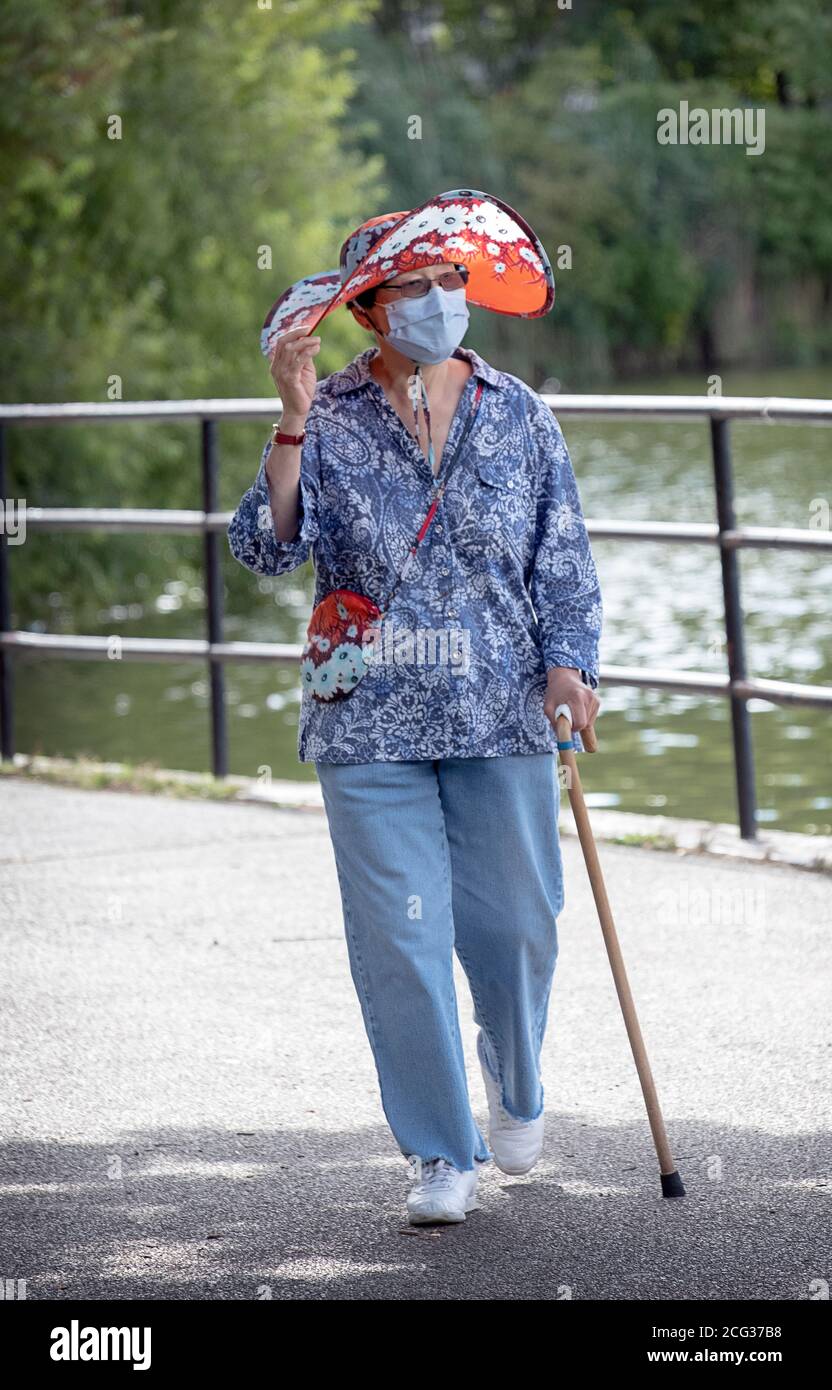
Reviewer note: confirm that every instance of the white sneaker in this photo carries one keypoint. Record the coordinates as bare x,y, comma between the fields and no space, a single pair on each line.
516,1144
442,1193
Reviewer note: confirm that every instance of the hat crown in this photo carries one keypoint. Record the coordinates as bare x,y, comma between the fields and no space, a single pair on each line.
361,242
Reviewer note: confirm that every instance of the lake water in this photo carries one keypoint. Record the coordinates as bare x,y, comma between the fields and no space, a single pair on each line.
662,753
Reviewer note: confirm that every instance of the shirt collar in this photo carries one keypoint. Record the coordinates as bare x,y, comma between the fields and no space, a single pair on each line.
357,373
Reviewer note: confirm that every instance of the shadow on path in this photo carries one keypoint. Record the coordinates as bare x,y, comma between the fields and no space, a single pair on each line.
305,1215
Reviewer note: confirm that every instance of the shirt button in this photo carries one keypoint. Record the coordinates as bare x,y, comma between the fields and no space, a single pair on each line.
444,569
439,528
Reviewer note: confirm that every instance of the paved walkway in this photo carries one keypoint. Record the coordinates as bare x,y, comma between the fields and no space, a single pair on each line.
190,1107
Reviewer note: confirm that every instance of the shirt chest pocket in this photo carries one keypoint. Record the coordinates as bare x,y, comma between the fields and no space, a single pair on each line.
498,496
503,487
496,477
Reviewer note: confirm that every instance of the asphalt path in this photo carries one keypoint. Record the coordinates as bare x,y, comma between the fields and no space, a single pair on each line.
189,1107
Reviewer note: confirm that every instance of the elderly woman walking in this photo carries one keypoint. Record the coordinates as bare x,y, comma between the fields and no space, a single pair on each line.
456,607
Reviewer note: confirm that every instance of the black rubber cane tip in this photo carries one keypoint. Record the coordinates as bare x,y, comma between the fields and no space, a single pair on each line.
672,1185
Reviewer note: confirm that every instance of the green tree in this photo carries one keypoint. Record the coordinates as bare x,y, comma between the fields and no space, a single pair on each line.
141,258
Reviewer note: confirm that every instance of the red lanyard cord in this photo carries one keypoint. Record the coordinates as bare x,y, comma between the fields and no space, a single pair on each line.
437,497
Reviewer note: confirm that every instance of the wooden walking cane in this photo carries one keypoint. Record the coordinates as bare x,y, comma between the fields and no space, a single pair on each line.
671,1182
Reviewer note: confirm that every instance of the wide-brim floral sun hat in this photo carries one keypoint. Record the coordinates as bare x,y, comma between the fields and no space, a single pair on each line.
508,269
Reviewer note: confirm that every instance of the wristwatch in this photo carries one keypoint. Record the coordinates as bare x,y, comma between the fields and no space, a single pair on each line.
278,437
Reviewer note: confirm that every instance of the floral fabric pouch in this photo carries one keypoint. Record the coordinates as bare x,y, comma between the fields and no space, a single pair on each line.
340,628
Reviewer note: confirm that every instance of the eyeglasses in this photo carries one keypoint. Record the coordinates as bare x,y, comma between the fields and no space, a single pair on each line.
421,284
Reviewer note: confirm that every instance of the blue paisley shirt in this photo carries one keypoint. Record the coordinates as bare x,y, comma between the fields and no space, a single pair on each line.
502,587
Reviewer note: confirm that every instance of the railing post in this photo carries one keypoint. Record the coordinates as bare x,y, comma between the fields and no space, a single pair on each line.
734,632
6,669
214,600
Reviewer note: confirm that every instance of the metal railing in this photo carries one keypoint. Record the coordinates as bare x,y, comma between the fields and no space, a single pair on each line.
736,685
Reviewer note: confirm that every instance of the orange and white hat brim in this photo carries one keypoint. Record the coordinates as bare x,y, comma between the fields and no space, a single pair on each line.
508,269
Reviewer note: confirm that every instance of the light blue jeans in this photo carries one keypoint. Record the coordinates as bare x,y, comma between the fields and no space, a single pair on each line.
435,856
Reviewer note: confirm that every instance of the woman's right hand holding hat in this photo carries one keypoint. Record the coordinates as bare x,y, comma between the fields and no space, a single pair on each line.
293,372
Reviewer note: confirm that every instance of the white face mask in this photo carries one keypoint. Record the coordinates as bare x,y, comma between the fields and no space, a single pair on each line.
428,329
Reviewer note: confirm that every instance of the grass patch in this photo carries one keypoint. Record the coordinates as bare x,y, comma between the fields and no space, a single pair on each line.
645,841
89,775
